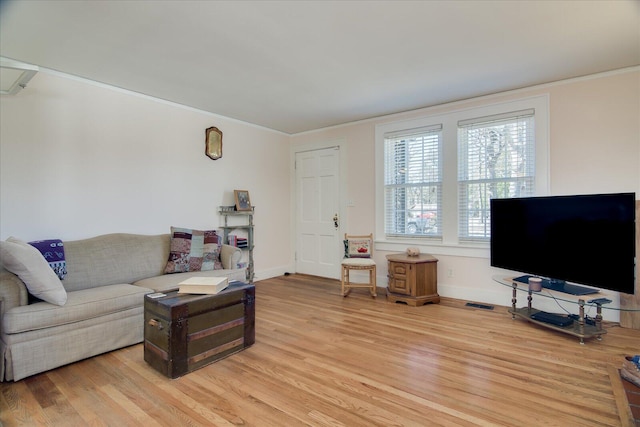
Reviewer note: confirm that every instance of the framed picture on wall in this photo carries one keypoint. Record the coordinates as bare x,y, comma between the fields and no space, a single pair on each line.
242,200
213,143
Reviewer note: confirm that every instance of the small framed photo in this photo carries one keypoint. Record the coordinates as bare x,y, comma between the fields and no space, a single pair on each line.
242,200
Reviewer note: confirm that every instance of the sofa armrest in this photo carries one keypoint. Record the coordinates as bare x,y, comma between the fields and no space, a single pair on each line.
230,257
13,291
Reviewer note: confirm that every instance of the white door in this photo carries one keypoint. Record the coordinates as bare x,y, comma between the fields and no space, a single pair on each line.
318,243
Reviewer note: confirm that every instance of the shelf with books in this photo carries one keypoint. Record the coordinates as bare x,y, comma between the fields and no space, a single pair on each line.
243,240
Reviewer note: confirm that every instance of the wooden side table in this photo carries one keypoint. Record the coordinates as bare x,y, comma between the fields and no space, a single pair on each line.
412,279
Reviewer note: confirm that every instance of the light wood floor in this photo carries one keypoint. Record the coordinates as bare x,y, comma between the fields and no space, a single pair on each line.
324,360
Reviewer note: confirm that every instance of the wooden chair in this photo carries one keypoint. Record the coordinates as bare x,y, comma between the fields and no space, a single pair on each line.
358,252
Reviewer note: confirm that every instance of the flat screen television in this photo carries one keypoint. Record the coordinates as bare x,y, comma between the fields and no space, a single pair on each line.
584,239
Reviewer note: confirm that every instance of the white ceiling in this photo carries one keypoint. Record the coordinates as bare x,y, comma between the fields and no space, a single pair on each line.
298,66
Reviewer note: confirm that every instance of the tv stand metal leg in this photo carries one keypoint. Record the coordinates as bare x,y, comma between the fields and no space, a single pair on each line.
599,316
581,319
599,320
513,301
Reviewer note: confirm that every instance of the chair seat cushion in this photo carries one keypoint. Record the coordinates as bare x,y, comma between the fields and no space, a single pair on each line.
358,262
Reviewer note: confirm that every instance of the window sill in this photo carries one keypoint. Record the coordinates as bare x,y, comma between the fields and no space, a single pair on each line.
480,250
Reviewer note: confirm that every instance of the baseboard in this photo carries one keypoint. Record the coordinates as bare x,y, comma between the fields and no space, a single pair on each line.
271,273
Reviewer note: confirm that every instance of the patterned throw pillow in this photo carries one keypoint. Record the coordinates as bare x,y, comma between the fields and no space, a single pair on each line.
211,251
357,248
27,262
193,250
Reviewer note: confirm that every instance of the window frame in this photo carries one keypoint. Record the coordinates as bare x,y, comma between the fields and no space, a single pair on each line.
448,116
474,171
431,134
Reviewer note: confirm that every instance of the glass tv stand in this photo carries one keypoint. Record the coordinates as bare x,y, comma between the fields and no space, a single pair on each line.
579,328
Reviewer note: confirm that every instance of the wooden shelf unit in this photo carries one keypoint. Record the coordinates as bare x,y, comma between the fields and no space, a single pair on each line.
230,212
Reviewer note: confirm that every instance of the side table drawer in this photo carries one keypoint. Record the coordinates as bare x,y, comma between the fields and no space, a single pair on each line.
399,278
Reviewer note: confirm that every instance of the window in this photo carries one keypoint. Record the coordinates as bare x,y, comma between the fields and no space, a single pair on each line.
435,174
496,159
413,182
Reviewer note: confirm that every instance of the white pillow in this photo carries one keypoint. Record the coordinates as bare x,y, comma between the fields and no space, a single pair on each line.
32,268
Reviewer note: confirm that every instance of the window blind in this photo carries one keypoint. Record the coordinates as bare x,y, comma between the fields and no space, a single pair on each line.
413,181
496,159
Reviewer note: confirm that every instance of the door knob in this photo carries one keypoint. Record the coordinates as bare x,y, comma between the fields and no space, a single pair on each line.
335,221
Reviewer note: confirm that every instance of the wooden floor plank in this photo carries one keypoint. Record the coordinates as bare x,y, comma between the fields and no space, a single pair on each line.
324,360
18,406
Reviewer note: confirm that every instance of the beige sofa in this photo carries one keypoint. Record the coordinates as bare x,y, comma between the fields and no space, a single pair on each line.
107,278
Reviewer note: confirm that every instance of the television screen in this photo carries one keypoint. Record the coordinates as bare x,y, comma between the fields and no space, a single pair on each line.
584,239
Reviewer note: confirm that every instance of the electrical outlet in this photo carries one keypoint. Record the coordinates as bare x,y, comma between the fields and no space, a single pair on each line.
450,272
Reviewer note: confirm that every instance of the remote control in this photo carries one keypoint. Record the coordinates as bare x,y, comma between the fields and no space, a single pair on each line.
599,301
156,295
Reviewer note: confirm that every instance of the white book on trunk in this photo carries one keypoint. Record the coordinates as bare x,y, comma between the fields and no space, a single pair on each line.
203,285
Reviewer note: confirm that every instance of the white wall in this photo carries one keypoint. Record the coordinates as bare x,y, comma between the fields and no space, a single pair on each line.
594,147
79,159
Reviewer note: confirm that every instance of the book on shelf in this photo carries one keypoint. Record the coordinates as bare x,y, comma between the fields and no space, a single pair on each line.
239,242
203,285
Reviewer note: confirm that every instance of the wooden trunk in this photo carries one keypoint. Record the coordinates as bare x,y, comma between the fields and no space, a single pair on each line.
184,332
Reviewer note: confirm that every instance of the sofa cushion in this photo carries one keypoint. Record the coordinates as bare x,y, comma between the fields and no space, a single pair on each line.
114,258
193,250
27,262
81,305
